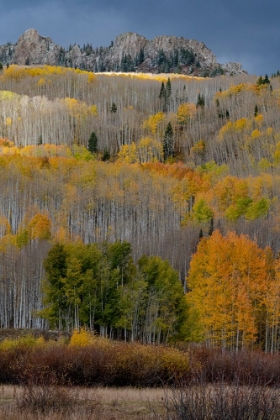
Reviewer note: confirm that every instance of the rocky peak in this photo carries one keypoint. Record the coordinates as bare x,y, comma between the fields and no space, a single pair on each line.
129,52
129,43
32,48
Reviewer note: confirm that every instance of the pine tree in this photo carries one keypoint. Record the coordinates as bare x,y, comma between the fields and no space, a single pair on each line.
92,143
211,227
168,88
256,111
114,108
266,80
106,155
175,58
140,57
168,142
162,91
165,93
167,96
200,101
263,80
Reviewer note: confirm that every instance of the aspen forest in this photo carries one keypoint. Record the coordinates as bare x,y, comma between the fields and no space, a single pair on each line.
144,208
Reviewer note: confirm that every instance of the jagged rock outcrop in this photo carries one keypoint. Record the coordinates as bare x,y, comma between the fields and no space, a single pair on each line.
129,52
33,48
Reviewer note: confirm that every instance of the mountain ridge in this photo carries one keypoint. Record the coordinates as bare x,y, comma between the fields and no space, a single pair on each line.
129,52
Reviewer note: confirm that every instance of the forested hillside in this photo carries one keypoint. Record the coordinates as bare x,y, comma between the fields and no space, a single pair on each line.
129,177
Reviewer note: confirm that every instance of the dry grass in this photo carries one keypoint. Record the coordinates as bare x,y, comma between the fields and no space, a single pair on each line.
87,403
194,402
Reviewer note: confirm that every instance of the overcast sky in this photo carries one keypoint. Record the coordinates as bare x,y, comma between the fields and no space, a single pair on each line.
246,31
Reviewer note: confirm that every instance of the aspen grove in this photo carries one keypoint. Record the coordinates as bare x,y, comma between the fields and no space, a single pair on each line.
142,207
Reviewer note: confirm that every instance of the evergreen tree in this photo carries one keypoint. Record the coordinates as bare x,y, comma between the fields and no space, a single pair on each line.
165,93
114,108
167,96
266,80
92,143
163,62
187,57
127,64
256,111
162,91
168,88
140,57
211,227
106,155
200,101
168,142
263,81
175,58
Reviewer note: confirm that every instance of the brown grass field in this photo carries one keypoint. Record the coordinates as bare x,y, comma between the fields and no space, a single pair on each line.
196,402
80,403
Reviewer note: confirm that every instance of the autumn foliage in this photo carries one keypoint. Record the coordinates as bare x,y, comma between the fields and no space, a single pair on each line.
88,360
231,298
193,190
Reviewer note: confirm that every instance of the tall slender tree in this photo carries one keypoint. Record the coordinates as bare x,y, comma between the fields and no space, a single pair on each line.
168,142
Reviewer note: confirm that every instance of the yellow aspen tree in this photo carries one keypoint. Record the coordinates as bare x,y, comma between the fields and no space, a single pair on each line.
40,227
149,150
227,282
185,112
128,153
154,122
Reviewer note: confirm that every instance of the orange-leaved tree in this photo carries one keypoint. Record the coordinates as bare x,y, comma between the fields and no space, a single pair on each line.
228,281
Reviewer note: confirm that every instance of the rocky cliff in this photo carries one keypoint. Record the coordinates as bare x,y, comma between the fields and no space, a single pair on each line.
128,53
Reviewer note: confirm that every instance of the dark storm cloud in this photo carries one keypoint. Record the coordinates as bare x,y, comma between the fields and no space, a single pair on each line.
246,31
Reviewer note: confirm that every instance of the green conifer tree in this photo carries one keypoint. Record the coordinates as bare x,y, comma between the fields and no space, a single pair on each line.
266,80
167,96
211,227
200,101
114,108
93,143
168,88
256,111
162,91
106,155
168,142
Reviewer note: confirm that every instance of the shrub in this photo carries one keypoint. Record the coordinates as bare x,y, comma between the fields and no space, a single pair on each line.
81,338
223,402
